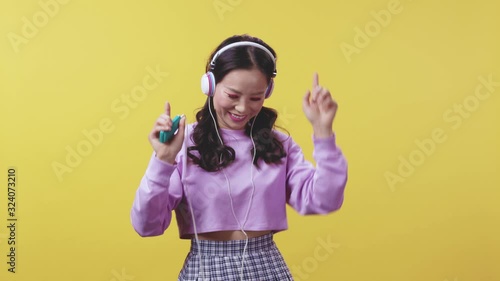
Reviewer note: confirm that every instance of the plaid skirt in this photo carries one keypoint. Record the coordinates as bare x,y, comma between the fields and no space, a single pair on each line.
222,261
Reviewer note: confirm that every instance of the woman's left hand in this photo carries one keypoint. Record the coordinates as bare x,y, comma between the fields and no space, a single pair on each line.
320,109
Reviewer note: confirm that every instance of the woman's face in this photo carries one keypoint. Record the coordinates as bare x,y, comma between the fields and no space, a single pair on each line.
239,97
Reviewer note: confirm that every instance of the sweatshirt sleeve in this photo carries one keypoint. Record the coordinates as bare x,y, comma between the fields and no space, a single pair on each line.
159,192
320,189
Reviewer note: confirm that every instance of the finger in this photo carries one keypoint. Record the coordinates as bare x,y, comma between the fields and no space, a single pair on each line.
326,104
155,133
328,99
161,128
324,95
178,138
330,104
323,101
315,80
164,121
306,98
167,108
162,124
182,126
316,92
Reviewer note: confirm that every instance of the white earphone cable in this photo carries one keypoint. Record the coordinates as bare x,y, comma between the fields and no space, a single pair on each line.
215,122
251,199
184,167
242,227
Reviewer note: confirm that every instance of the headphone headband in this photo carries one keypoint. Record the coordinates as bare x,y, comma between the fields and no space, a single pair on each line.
243,43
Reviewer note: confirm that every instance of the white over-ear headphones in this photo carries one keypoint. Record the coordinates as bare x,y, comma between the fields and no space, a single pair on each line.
208,79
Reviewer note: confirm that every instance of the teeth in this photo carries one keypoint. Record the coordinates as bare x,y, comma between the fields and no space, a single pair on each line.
237,116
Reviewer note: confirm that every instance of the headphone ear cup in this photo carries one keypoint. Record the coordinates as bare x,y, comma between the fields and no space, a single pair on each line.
208,84
269,89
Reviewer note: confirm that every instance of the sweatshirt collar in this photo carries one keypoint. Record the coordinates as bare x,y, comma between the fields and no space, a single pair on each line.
235,134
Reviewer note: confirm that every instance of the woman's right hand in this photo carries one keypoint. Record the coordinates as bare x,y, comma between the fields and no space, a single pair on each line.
167,151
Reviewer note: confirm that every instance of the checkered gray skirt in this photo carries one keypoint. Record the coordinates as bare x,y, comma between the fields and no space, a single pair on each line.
222,261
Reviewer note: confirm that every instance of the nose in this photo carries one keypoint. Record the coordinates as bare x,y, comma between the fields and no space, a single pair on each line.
241,106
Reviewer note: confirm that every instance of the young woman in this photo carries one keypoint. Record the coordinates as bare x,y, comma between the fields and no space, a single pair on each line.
229,176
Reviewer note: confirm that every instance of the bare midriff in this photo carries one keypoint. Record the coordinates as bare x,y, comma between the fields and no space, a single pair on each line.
230,235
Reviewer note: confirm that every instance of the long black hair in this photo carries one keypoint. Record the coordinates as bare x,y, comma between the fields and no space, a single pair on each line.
212,155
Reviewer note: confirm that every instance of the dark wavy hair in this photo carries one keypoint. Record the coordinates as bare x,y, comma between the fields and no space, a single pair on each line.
212,155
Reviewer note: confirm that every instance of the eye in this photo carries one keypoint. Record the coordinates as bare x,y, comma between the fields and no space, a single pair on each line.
255,99
231,96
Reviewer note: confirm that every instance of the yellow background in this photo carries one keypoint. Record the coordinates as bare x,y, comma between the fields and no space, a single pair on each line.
439,222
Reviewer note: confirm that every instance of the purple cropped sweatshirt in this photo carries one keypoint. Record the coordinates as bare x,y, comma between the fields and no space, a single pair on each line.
258,205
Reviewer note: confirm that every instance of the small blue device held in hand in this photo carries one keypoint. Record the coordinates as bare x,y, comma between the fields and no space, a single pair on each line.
167,135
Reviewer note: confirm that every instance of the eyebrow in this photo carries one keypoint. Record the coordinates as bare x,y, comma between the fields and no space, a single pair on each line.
238,92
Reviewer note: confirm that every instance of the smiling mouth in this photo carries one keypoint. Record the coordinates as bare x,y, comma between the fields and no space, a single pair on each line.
236,117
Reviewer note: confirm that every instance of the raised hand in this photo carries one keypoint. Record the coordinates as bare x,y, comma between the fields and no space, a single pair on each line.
166,151
320,108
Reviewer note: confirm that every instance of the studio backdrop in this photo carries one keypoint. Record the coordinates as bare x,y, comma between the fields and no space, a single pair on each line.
417,83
